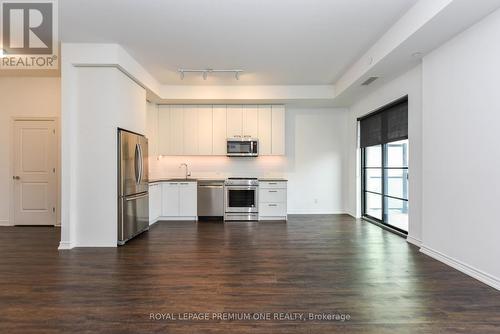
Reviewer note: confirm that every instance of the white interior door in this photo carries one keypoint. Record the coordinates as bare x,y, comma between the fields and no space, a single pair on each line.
35,183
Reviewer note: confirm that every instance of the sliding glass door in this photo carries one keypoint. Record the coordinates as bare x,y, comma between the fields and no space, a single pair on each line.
385,184
372,171
384,165
396,185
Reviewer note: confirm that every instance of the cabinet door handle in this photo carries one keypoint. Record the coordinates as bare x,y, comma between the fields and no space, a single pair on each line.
273,183
273,191
273,205
173,184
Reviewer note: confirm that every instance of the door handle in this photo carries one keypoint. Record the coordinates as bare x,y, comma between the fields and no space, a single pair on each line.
16,177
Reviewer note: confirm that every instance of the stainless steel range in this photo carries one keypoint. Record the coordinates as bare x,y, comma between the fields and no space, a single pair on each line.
241,199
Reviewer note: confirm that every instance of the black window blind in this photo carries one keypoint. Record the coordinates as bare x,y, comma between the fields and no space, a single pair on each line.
388,124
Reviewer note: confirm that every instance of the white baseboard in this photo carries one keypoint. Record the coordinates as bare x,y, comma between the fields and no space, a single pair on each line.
352,215
414,241
4,222
314,212
462,267
154,221
266,218
178,218
65,245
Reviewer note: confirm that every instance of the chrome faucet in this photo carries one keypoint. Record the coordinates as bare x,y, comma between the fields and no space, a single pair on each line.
188,173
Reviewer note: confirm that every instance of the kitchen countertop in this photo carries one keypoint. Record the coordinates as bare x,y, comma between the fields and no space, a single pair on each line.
178,179
272,179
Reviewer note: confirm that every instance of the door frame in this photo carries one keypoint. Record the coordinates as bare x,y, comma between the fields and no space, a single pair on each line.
13,121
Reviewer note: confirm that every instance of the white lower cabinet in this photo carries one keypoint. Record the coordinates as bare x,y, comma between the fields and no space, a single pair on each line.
188,199
170,199
179,200
154,202
272,200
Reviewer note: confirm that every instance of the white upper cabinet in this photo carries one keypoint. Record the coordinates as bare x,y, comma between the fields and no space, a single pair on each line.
152,129
219,130
203,129
264,133
234,121
164,130
176,130
250,121
278,130
190,130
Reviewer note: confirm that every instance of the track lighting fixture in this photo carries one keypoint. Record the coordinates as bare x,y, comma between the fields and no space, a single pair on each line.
208,71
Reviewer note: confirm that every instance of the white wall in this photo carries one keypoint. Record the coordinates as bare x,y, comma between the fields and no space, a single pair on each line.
313,162
21,97
107,99
461,151
409,83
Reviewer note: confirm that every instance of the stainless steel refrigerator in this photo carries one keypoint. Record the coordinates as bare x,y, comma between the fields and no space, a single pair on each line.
133,196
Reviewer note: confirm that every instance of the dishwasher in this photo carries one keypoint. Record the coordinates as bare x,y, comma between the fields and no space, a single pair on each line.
211,200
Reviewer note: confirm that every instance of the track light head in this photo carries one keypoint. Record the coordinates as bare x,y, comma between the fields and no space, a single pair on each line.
205,75
237,75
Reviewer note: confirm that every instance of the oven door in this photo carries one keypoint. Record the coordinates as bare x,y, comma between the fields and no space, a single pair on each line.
242,199
242,148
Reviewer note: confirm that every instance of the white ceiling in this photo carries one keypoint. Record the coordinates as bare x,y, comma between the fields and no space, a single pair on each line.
276,42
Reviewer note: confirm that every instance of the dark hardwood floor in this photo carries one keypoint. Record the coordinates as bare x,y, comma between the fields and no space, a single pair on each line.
313,264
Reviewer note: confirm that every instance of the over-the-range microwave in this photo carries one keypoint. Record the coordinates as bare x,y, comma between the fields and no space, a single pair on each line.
242,147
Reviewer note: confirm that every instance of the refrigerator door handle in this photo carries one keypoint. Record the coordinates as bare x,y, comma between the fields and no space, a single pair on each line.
136,163
141,163
134,198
